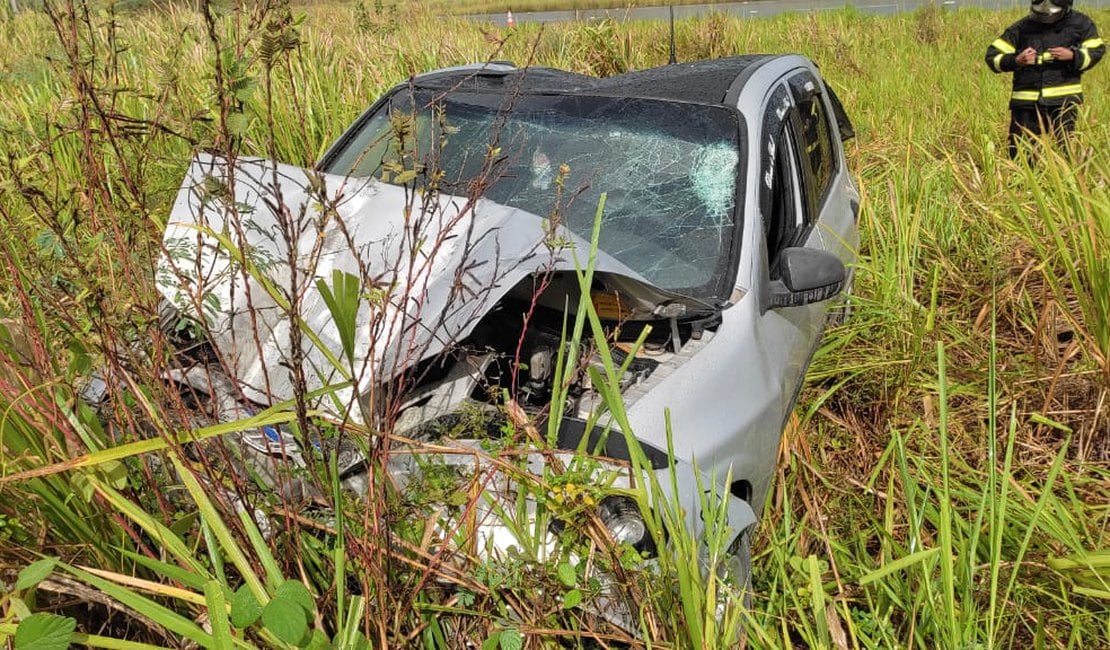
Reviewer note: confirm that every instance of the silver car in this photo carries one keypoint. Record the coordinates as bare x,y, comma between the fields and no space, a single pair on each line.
456,216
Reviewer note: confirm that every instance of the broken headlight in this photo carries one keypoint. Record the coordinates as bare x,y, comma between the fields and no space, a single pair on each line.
626,524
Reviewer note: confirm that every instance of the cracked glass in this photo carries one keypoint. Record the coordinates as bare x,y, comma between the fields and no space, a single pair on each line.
669,170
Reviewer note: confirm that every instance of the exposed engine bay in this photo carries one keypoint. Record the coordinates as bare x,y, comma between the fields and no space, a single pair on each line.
516,350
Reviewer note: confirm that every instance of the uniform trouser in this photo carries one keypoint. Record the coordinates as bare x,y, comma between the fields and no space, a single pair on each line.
1057,121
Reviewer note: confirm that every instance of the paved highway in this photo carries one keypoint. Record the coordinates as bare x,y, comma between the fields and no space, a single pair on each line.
759,9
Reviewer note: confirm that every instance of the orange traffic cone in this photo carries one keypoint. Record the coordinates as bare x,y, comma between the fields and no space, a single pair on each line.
509,20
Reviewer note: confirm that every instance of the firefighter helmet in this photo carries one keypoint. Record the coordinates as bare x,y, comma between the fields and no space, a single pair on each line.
1049,11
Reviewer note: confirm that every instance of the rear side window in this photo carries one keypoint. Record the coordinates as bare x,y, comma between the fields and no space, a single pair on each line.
786,220
784,202
816,134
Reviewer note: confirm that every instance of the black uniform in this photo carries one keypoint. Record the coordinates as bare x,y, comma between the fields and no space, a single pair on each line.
1046,92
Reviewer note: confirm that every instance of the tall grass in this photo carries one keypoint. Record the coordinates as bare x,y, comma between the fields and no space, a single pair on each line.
944,485
1062,211
472,7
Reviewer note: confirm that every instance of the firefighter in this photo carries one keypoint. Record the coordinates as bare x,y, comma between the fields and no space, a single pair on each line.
1048,51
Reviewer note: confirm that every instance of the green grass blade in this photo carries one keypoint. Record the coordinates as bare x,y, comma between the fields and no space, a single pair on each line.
160,614
900,564
226,542
217,614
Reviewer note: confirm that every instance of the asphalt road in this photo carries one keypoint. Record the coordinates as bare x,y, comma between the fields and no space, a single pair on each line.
758,9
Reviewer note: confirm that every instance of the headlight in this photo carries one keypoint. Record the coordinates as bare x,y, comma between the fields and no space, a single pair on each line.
626,523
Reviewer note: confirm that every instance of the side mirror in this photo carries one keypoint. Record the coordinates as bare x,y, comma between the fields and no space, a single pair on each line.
806,276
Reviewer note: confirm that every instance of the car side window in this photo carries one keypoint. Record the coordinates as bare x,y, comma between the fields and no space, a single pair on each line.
785,221
785,210
816,133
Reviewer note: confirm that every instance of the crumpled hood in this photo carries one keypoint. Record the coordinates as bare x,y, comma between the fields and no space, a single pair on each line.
239,253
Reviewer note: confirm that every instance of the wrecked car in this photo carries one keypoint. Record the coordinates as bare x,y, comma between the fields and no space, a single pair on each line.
433,265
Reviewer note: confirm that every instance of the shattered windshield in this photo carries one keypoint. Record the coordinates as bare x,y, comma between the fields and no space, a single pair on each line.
669,170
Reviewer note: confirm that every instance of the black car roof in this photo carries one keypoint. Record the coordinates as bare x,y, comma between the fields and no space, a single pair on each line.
702,82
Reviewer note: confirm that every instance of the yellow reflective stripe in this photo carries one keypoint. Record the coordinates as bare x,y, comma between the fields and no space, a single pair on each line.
1002,46
1086,59
1060,91
1093,42
1055,91
996,63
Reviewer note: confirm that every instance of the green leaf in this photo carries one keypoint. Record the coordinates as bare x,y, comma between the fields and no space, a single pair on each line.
491,641
898,565
82,486
572,599
116,474
245,609
184,523
295,591
360,642
342,299
245,88
85,414
162,615
405,177
567,575
261,550
238,123
33,574
1095,593
286,620
19,608
319,641
511,640
167,570
1047,421
45,632
217,613
212,518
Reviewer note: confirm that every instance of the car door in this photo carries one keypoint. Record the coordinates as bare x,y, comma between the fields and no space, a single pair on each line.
797,172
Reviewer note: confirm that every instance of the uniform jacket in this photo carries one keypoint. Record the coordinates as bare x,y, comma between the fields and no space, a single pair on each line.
1047,82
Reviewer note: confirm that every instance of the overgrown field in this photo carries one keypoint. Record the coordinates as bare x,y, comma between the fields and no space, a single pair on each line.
946,483
480,7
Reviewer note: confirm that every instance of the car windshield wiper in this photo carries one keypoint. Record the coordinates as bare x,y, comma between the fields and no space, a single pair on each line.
682,307
656,302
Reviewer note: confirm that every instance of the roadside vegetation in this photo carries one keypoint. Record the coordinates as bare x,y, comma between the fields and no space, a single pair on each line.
945,484
478,7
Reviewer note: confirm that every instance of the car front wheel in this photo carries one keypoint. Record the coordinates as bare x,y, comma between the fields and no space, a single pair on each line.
738,567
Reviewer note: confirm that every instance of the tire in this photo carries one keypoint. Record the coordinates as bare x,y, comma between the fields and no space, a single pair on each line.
739,566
